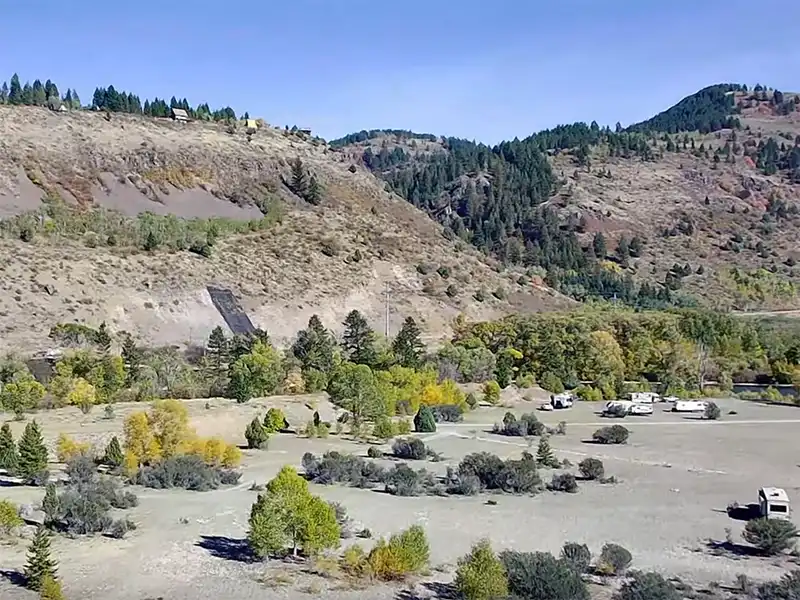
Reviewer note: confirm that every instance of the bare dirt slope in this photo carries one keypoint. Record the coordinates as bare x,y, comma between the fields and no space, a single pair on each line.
325,259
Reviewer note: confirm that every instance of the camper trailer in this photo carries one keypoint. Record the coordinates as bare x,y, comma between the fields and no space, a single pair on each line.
644,397
563,400
773,503
689,406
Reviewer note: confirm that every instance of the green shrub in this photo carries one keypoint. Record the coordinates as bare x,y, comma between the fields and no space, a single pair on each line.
403,427
447,413
647,586
275,421
424,421
616,434
550,381
592,468
335,467
526,381
256,435
577,555
374,452
540,576
785,588
491,392
480,575
770,536
188,471
613,560
402,480
527,424
588,393
472,400
511,476
402,555
384,428
9,517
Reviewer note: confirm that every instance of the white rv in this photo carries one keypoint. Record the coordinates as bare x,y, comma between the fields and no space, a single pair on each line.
689,406
773,503
643,397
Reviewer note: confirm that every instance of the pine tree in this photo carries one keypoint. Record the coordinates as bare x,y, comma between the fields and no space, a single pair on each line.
32,453
15,91
103,338
315,346
424,422
132,357
40,564
299,180
256,434
113,455
358,340
314,192
407,346
9,459
599,245
544,453
50,505
218,347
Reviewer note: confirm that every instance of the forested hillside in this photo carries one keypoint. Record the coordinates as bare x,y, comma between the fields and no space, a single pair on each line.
517,200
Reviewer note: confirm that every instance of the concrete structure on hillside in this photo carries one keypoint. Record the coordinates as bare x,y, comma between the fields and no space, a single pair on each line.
179,114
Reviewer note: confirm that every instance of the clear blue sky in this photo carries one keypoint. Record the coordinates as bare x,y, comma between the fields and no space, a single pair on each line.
486,70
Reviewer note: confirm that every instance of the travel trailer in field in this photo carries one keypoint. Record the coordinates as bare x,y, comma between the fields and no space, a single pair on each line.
644,397
689,406
773,503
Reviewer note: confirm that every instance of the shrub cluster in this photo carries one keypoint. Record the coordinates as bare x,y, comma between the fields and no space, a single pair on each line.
527,424
403,554
613,560
592,468
541,576
771,536
412,449
486,471
336,467
83,506
563,482
447,413
616,434
186,471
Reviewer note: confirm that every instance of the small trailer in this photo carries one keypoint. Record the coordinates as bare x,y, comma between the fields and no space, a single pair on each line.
773,503
644,397
689,406
562,400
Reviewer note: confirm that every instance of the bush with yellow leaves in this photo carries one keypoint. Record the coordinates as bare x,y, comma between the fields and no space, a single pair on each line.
294,382
67,448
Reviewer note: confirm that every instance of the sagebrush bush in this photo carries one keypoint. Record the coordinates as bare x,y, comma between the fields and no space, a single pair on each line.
447,413
577,555
647,586
384,429
512,476
402,480
527,424
480,575
785,588
592,468
120,528
770,536
540,576
410,449
374,452
613,559
189,472
335,467
712,411
563,482
616,434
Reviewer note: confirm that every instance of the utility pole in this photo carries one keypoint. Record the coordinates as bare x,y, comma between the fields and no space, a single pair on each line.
386,324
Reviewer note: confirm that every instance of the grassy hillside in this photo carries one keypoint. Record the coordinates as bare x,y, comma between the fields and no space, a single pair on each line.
697,204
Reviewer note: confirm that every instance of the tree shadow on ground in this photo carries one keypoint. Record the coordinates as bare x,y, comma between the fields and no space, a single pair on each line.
731,549
440,591
744,512
13,577
235,549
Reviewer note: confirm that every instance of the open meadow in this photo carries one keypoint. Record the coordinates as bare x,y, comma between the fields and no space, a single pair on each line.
676,475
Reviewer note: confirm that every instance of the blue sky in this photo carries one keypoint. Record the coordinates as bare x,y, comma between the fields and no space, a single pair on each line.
486,70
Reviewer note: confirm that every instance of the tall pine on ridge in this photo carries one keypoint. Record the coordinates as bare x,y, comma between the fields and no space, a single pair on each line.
40,564
358,340
407,346
32,453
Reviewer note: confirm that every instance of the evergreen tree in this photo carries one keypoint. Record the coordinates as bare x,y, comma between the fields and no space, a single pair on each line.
299,179
103,339
424,421
113,456
256,434
407,346
9,459
15,90
4,93
599,245
51,505
32,453
314,192
132,357
358,340
315,346
40,564
218,349
544,453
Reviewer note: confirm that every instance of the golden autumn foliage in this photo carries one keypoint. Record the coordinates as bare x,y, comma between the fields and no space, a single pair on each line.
67,448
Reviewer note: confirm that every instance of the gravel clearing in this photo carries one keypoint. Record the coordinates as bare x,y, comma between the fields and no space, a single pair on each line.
676,476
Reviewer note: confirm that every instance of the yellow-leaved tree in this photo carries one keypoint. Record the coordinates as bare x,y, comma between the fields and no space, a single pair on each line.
82,394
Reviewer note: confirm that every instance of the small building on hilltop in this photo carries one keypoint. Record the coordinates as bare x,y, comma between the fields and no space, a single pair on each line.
179,114
250,124
305,130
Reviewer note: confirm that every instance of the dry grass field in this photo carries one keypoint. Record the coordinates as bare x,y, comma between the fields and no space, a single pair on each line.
676,476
